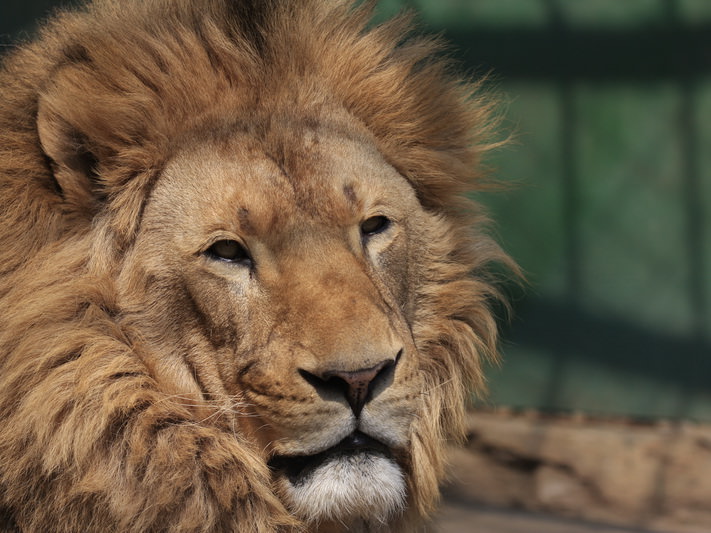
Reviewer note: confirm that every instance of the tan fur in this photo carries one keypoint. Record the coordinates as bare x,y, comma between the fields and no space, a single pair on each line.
144,386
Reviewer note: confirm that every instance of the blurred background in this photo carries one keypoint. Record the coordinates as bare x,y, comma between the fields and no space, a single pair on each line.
609,213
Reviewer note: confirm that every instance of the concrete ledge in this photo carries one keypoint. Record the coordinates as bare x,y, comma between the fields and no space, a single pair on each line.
655,476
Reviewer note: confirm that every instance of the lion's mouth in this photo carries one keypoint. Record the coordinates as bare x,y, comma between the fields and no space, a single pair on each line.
298,468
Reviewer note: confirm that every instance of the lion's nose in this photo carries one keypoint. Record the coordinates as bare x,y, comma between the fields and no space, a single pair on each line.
356,385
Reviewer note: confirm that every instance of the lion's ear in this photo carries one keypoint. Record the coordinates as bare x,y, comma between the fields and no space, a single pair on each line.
74,161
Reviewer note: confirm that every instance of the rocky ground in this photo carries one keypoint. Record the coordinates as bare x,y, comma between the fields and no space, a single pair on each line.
533,473
458,517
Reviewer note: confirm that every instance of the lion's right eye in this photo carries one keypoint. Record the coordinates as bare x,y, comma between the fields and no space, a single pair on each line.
229,251
374,225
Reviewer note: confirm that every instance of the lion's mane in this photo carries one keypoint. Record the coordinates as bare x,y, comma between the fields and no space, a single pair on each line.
88,440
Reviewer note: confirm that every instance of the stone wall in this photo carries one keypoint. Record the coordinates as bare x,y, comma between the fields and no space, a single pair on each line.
651,475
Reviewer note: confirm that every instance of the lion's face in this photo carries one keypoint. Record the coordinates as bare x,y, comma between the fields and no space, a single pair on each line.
290,273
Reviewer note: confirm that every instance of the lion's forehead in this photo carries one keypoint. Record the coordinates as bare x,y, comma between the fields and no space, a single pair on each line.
255,188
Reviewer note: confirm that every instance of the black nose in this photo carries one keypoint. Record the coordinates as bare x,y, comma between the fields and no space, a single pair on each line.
356,385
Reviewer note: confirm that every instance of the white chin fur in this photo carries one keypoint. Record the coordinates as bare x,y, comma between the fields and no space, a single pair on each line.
346,488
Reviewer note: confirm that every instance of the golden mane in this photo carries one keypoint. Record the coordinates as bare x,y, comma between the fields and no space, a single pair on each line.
130,83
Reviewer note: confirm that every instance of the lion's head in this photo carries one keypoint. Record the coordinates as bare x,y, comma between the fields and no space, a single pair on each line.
286,264
263,271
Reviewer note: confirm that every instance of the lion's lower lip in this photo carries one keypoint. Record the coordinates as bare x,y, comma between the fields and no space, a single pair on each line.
298,467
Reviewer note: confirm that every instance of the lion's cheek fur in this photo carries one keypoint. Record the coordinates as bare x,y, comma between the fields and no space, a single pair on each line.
116,451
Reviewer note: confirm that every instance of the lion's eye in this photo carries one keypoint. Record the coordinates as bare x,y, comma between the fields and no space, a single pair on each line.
374,225
230,251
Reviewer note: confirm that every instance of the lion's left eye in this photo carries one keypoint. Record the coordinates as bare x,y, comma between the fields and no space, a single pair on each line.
374,225
230,251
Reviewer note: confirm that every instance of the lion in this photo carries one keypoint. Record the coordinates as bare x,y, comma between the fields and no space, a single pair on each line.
241,285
